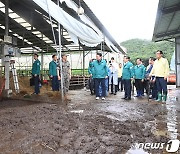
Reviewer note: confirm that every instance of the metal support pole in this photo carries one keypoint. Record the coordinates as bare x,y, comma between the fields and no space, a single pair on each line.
84,68
6,59
42,59
32,57
60,58
177,61
7,17
42,64
105,53
83,63
103,49
87,53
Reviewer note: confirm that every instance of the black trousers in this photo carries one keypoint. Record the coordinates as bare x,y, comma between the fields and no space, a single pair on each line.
139,84
55,83
120,81
154,90
36,84
114,88
127,88
91,85
161,85
98,82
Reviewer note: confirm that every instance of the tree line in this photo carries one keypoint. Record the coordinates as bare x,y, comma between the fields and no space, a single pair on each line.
138,48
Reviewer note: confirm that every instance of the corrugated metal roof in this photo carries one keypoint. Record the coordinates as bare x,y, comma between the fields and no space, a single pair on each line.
167,25
30,25
97,22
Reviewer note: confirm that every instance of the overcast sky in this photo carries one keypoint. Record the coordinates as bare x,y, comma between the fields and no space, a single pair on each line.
126,19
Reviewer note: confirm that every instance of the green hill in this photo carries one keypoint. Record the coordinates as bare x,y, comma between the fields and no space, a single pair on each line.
137,48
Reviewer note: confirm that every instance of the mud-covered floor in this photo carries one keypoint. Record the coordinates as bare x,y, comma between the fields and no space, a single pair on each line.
85,125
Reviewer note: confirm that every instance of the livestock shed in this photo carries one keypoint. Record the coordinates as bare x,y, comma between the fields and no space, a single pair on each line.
167,27
50,26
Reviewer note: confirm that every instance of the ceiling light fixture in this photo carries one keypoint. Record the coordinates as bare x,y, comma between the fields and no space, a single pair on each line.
80,10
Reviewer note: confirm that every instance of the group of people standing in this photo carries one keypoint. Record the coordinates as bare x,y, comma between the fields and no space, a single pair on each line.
103,76
119,77
54,73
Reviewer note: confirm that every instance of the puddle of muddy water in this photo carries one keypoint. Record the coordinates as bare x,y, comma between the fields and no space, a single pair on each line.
115,108
172,123
112,117
77,111
167,125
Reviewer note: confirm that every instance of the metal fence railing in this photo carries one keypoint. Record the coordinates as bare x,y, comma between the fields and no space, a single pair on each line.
45,72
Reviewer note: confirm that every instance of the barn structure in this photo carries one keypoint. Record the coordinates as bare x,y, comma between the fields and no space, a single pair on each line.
50,26
167,27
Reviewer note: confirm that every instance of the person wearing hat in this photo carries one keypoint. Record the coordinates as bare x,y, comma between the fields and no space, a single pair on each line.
66,74
36,73
53,73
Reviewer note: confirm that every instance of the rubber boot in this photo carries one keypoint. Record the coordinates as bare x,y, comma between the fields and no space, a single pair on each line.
164,98
159,97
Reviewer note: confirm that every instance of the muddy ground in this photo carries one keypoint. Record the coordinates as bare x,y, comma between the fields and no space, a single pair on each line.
85,125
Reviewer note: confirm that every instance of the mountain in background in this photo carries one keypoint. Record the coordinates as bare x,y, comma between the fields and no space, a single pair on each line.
138,48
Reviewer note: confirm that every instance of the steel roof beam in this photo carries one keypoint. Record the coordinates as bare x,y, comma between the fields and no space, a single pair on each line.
27,34
37,18
167,34
171,9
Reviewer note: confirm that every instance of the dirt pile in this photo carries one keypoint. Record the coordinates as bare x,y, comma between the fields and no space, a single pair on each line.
46,94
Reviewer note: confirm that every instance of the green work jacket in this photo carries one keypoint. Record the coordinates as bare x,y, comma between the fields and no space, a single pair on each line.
127,71
53,68
36,67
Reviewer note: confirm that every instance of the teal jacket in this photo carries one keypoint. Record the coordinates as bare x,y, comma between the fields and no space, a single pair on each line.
100,69
36,67
139,71
91,69
127,71
53,68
